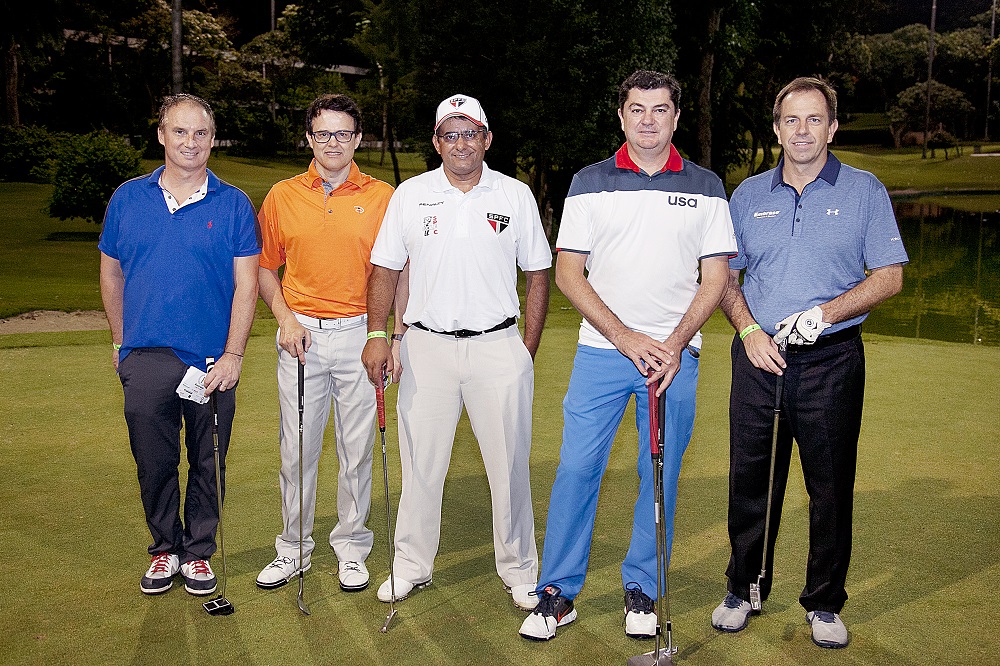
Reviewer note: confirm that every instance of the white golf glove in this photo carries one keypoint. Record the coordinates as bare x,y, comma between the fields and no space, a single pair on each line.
801,328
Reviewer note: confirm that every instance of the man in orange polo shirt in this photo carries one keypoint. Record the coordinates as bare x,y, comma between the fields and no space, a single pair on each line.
321,226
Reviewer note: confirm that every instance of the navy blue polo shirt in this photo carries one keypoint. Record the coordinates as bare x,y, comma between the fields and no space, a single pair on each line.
800,251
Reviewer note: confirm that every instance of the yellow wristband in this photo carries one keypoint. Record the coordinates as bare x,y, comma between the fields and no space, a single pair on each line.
748,330
377,334
116,346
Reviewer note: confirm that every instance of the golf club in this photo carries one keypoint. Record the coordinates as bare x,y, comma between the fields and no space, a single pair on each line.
380,409
219,605
756,603
302,391
660,656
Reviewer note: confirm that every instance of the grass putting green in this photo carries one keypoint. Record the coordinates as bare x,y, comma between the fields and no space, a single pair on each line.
922,582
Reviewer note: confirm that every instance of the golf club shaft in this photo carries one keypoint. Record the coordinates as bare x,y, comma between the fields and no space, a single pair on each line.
380,410
302,391
779,384
218,488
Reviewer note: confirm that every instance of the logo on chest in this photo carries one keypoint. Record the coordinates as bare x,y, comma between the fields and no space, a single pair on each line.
430,225
497,221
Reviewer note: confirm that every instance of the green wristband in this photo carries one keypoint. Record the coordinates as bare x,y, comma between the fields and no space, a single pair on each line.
115,346
377,334
748,330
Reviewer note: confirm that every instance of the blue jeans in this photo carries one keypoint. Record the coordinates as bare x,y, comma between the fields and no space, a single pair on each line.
600,387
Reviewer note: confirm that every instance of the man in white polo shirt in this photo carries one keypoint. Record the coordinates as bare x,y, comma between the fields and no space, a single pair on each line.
465,229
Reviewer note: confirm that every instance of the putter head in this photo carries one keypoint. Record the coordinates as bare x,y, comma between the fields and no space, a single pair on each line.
664,658
219,606
388,621
755,603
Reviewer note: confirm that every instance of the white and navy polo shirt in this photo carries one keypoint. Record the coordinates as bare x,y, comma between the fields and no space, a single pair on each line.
804,250
644,236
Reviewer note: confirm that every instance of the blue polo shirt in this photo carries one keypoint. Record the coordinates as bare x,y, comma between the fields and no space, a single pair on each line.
800,251
178,268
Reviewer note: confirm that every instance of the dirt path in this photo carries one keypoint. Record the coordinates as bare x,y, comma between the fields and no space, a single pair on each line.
51,321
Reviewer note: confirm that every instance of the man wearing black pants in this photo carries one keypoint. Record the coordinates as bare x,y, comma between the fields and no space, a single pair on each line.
819,246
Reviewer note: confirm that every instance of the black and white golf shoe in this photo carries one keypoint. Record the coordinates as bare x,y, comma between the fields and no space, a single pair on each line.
199,579
732,614
553,610
160,575
640,618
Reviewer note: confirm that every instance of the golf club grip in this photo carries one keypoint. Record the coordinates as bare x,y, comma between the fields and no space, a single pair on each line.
380,403
654,421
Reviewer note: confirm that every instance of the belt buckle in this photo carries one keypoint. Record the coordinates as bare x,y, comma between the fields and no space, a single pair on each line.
466,333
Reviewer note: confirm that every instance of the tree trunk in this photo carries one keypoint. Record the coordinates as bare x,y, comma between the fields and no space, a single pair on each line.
176,48
391,140
12,110
705,88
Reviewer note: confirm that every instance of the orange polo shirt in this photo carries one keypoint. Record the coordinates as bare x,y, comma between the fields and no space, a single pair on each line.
323,240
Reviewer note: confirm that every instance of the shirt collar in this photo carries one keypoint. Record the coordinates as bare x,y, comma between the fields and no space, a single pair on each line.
440,183
314,180
829,172
154,178
624,161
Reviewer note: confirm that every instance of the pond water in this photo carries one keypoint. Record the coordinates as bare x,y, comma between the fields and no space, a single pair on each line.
951,287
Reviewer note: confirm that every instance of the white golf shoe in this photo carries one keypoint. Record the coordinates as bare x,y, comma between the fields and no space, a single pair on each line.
353,576
828,630
553,610
402,587
278,572
640,618
160,575
199,579
523,597
732,614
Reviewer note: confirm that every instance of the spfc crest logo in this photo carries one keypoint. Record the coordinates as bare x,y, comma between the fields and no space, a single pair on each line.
430,225
498,222
457,101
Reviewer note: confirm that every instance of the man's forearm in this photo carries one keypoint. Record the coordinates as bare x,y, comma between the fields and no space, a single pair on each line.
734,304
113,295
244,302
572,282
880,285
381,292
714,280
269,286
536,307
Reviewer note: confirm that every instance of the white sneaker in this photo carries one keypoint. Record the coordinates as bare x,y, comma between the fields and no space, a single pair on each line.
523,597
199,579
828,629
353,576
640,618
732,614
160,575
403,589
553,610
278,572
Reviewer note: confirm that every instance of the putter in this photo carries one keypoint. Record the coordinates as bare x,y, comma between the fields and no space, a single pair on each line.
660,656
302,391
219,605
756,603
380,409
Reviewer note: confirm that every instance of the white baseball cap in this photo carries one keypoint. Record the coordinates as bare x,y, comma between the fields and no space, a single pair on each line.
461,106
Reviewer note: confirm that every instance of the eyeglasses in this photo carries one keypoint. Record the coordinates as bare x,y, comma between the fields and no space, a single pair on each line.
342,136
468,135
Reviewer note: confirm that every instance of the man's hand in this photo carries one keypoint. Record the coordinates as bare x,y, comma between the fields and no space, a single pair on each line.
294,338
114,358
224,375
397,365
665,374
801,328
377,359
645,352
763,352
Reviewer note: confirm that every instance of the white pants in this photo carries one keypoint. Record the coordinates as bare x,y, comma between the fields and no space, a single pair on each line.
333,370
493,376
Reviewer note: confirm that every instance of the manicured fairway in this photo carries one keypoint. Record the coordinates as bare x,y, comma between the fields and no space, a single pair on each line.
922,582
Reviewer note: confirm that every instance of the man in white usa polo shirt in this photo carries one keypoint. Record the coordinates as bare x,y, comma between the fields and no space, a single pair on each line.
465,229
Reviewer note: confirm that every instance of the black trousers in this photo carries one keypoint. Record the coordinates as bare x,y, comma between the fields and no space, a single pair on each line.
154,414
821,411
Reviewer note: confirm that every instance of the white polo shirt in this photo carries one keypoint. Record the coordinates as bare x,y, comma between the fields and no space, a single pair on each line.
464,248
644,237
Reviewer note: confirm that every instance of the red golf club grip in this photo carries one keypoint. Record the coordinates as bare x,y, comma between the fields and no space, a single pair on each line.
380,403
654,421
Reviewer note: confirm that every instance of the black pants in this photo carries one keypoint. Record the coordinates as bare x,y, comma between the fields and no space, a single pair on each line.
821,410
154,414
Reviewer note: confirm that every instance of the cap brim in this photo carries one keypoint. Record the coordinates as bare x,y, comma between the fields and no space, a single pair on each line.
459,114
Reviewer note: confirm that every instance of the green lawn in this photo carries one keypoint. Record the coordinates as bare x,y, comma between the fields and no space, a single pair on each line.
922,583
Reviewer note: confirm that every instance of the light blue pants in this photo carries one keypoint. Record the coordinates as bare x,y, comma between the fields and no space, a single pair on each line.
600,387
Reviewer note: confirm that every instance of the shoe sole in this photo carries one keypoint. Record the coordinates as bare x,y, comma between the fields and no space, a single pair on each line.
156,590
416,586
828,645
733,630
562,622
200,593
355,588
275,585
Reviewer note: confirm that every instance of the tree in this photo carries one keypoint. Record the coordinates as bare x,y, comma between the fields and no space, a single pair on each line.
88,170
950,110
31,33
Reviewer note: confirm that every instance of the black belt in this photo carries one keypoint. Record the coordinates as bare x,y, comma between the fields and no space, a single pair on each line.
466,333
844,335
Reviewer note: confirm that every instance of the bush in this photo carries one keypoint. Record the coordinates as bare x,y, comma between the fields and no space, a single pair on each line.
27,153
88,170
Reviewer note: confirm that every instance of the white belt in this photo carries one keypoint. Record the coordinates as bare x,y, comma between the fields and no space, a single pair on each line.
332,324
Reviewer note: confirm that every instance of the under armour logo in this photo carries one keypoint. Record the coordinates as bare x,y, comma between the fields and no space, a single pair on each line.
833,211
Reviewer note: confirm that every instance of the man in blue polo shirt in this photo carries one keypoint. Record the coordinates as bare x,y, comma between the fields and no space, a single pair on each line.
635,231
819,248
179,284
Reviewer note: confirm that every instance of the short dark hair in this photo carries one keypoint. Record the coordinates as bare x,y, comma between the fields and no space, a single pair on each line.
329,102
170,101
804,83
644,79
